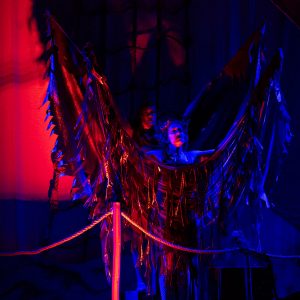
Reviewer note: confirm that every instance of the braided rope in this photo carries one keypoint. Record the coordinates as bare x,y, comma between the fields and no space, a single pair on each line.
56,244
153,237
174,246
246,251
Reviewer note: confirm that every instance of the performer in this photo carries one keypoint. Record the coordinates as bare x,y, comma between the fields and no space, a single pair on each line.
147,137
175,215
145,132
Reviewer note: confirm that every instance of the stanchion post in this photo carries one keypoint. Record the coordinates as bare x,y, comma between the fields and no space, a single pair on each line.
116,250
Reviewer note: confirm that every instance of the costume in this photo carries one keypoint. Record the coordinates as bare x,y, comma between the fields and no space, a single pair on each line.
174,217
94,147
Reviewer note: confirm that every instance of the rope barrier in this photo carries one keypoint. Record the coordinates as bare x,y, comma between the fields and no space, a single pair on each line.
174,246
197,251
65,240
153,237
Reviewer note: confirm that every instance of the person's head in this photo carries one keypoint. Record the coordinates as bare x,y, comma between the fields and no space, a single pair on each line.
148,116
175,133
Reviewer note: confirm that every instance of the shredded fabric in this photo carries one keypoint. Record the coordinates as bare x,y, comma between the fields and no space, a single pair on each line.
241,114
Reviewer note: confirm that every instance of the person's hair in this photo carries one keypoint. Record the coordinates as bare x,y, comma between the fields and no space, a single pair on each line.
164,127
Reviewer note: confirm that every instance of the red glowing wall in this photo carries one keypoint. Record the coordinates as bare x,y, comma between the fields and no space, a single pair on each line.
25,145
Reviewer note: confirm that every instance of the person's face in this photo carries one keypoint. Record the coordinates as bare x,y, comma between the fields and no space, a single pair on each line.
148,117
176,134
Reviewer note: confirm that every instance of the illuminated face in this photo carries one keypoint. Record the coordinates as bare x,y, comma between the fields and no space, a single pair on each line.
148,117
176,134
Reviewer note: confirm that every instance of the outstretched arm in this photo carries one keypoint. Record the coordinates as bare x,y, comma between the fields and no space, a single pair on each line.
200,155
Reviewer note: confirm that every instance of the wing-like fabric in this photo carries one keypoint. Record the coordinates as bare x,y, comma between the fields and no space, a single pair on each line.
65,96
257,138
242,114
219,102
84,118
